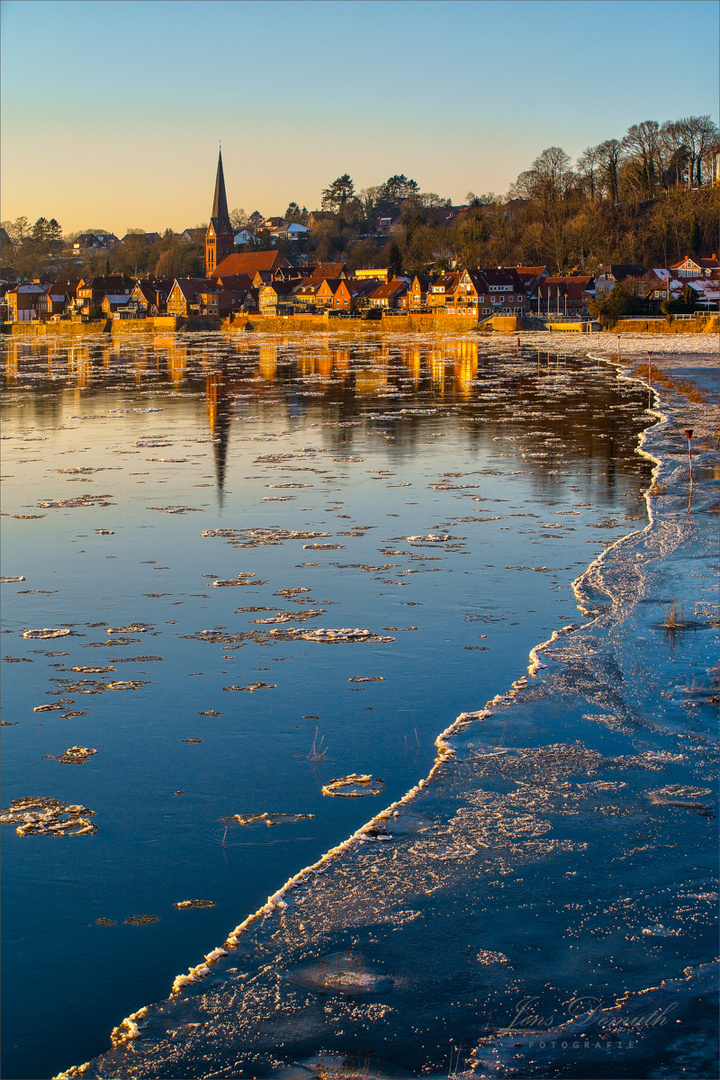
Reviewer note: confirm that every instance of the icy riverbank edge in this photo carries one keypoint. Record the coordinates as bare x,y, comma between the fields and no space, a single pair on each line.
598,702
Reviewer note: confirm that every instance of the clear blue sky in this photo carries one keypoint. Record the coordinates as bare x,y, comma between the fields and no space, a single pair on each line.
112,110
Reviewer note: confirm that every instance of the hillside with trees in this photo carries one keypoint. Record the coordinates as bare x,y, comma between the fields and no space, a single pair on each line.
649,197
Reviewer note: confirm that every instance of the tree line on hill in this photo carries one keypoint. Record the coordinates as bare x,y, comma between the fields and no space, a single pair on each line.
645,198
41,249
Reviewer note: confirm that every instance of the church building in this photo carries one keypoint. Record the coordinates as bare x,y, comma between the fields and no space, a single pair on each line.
219,239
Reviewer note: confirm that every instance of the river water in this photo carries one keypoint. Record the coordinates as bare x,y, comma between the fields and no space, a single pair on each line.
329,518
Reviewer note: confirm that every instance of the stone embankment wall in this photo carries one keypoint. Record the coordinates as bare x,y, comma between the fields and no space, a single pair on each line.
389,324
113,326
40,329
703,324
449,324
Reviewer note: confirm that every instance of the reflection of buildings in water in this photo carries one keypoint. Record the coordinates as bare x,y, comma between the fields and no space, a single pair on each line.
465,367
141,364
436,363
466,350
218,401
177,361
369,381
324,363
12,359
267,362
80,365
237,345
412,358
342,361
171,357
52,356
306,364
205,353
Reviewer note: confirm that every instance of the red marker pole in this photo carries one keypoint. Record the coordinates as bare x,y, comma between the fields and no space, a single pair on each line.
689,435
518,345
649,368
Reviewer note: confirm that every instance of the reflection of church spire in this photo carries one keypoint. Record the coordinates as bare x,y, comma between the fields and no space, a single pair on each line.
218,408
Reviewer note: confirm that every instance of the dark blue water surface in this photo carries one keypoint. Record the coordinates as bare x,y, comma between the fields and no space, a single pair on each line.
455,490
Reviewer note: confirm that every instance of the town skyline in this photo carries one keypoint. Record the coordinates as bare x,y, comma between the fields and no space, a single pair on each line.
372,94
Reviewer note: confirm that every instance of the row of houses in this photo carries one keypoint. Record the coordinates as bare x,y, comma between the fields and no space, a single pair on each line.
266,283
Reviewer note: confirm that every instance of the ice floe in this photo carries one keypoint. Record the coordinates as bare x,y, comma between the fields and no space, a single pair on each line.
266,819
354,786
44,816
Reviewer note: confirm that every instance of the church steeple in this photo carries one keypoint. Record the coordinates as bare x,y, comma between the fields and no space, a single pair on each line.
219,240
220,206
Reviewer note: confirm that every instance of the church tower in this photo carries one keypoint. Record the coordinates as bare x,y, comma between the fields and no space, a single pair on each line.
219,239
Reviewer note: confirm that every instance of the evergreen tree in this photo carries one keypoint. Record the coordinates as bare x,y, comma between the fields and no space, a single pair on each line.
40,230
339,192
394,260
54,232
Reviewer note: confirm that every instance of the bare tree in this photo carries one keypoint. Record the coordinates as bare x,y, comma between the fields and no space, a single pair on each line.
553,172
675,151
642,141
588,165
548,179
700,133
18,229
238,219
610,155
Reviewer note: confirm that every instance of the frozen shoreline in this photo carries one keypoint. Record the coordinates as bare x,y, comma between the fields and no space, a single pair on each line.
334,902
